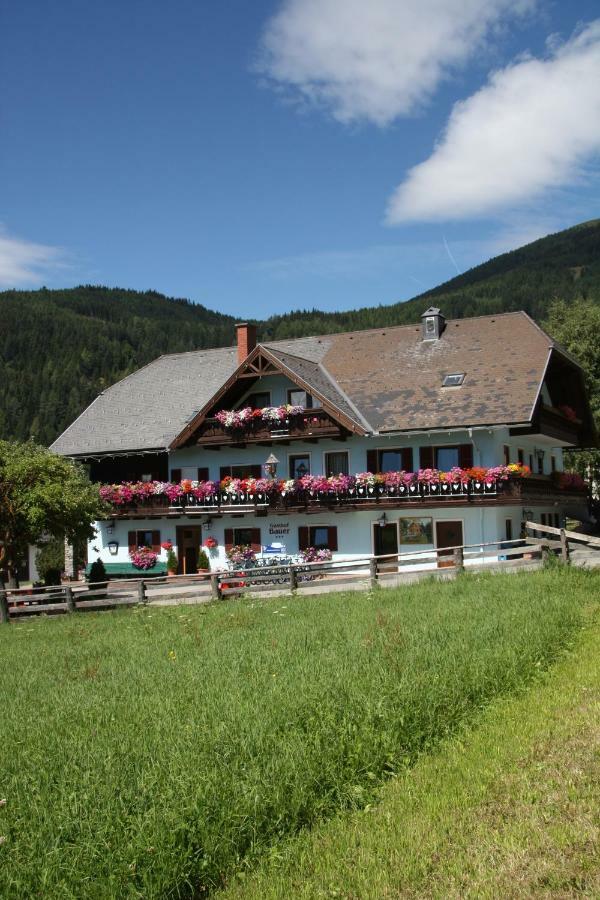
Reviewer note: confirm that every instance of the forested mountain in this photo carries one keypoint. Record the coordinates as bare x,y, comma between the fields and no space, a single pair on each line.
59,349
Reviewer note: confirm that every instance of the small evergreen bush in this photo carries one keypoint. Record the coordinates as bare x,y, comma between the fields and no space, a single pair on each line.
203,563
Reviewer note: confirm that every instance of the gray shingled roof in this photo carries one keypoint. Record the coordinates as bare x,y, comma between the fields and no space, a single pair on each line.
384,379
148,409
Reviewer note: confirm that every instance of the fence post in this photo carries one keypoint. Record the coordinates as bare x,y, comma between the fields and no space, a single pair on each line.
545,553
214,587
69,599
564,546
142,592
459,559
373,576
3,606
293,579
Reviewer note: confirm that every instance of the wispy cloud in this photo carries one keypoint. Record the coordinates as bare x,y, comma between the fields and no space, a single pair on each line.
531,129
26,264
376,60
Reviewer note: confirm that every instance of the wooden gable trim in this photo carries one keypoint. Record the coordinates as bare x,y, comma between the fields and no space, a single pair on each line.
260,362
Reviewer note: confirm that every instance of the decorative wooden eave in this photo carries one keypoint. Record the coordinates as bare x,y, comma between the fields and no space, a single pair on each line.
258,363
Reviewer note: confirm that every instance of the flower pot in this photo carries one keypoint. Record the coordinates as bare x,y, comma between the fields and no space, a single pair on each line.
171,572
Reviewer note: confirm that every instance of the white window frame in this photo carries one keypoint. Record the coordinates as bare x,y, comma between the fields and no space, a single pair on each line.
325,452
301,453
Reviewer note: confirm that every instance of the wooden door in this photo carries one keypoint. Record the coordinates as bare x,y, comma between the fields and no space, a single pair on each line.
189,539
447,534
385,541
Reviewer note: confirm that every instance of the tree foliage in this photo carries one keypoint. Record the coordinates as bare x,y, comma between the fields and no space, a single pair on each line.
577,327
59,349
41,495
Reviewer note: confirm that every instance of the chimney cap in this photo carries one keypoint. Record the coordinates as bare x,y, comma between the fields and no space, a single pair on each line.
432,311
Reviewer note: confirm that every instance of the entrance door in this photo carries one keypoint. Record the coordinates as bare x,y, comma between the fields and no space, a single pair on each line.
447,534
188,548
385,541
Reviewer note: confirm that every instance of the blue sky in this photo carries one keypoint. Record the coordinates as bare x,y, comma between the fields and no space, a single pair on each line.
268,156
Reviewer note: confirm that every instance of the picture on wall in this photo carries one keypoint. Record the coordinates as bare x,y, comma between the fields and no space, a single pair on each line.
416,530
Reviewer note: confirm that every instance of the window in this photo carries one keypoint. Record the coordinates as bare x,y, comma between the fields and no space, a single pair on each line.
509,530
430,326
258,400
299,465
391,459
521,456
506,454
246,470
143,538
298,397
245,537
453,380
553,463
322,537
445,458
337,463
147,476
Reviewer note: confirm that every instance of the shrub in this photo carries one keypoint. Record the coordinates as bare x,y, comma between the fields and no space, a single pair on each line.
97,572
50,560
171,560
203,562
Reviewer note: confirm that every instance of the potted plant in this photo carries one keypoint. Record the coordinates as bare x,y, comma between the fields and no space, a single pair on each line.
172,563
203,562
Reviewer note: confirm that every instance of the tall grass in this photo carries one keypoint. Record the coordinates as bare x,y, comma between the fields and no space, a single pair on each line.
153,753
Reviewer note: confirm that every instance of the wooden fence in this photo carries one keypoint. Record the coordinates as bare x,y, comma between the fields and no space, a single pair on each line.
363,572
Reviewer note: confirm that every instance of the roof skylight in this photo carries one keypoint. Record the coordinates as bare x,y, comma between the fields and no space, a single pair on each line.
454,380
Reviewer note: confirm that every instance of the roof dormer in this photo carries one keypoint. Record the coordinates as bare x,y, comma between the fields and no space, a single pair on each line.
433,324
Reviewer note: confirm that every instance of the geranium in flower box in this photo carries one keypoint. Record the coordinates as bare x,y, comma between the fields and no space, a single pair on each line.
167,545
143,558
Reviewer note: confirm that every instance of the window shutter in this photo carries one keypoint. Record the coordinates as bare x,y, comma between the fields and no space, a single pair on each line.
255,543
176,475
426,457
372,461
132,540
224,471
156,541
203,473
465,456
228,538
332,541
407,459
303,537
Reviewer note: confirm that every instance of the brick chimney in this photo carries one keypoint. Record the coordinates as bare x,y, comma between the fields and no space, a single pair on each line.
246,340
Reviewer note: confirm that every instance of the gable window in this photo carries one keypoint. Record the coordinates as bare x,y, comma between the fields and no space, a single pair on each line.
299,465
258,400
298,397
390,459
454,380
336,463
321,537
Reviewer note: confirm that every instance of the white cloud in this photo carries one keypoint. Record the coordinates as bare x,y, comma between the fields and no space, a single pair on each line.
25,264
375,60
532,128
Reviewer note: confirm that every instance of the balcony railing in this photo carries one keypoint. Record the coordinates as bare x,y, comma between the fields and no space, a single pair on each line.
313,423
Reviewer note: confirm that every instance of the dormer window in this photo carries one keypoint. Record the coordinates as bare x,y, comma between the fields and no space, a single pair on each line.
430,326
453,380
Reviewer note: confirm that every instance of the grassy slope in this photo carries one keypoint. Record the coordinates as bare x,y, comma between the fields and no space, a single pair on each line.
510,809
148,754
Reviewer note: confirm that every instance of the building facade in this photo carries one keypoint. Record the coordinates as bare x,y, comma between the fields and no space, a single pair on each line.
391,440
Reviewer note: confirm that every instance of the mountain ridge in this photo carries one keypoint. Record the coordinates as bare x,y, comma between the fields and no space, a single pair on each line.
60,348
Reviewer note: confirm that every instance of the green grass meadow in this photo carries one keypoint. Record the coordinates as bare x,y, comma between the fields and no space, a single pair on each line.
161,753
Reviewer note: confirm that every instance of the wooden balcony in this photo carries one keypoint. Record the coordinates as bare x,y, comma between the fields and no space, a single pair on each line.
312,425
534,491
